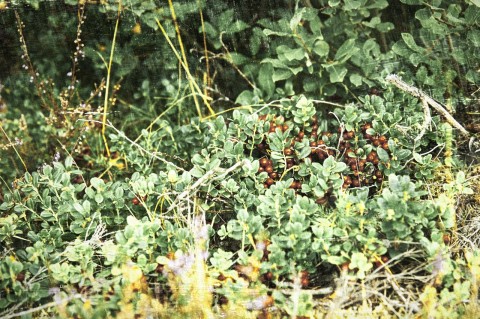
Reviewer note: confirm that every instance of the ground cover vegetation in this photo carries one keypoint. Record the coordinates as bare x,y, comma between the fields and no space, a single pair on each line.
239,159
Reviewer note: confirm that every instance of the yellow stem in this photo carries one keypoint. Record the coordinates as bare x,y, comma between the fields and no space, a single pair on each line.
107,85
14,148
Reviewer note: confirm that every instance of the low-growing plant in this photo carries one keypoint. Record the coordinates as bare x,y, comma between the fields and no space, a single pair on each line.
283,178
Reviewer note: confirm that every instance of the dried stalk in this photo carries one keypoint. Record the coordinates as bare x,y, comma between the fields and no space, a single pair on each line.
398,82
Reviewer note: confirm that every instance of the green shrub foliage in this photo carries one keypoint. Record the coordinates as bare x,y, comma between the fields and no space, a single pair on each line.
282,157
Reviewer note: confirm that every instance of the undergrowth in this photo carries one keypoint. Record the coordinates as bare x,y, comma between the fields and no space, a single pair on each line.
192,159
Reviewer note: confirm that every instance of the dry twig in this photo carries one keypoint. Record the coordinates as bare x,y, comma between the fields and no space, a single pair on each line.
426,100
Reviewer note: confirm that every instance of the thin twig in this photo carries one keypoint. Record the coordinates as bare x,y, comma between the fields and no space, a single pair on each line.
427,120
202,179
402,85
45,306
122,134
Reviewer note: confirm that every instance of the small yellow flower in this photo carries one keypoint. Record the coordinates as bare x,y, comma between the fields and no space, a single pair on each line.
137,29
390,214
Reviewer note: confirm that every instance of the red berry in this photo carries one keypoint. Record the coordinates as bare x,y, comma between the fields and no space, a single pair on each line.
304,280
135,201
446,239
20,276
288,151
355,182
263,161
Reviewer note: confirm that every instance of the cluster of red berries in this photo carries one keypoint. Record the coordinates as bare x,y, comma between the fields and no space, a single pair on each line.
364,167
343,144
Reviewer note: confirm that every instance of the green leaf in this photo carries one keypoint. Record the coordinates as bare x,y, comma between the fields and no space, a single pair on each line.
410,42
418,158
321,48
97,183
265,80
245,98
475,2
346,50
474,37
382,154
356,79
337,73
281,74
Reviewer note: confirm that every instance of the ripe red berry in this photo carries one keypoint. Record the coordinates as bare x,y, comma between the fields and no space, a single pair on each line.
304,278
20,276
355,182
269,181
446,239
135,201
263,161
371,156
268,276
273,175
288,151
